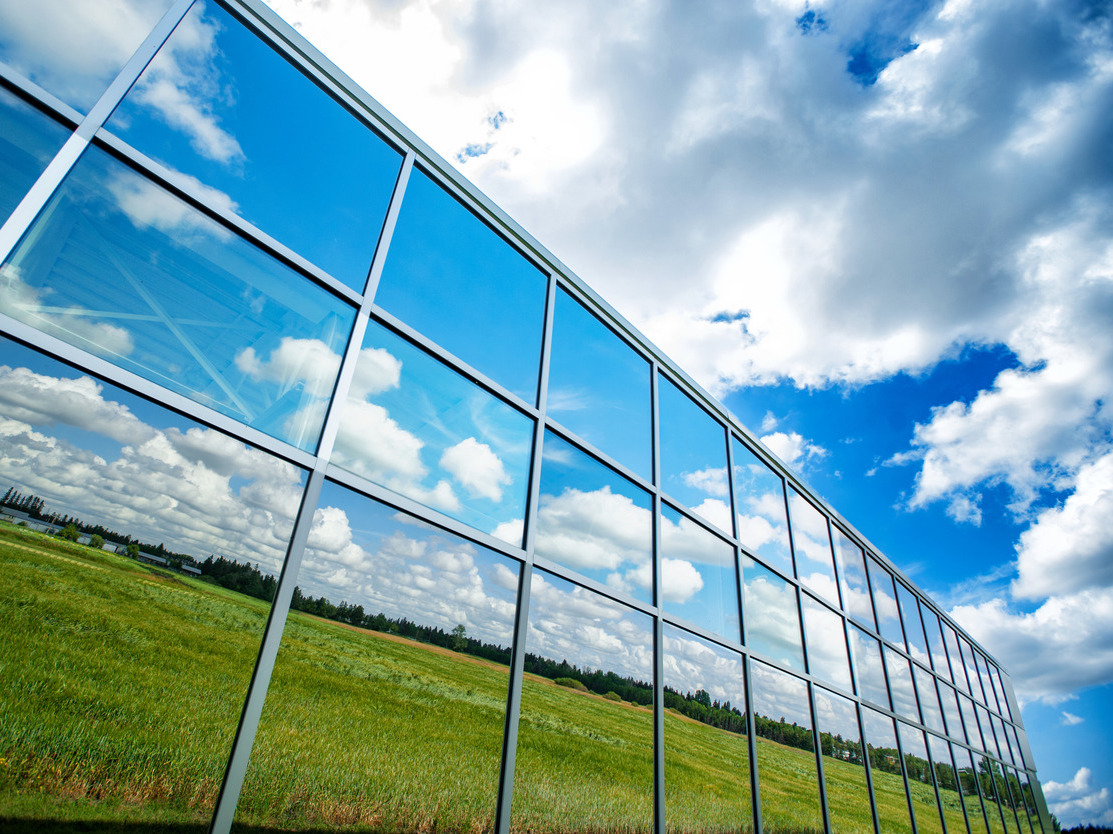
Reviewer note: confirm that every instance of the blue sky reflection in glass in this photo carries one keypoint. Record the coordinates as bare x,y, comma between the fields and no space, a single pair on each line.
74,50
417,427
770,615
693,456
28,140
139,277
698,578
759,506
594,521
885,603
226,110
811,543
452,278
599,387
913,627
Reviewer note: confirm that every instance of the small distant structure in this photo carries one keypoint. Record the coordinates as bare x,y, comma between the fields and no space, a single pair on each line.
153,559
20,517
192,570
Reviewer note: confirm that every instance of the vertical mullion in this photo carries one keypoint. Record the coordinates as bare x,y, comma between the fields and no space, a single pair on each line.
751,740
863,742
658,627
904,773
389,223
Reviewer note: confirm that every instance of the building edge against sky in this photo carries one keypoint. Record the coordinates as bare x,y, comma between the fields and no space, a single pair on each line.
328,369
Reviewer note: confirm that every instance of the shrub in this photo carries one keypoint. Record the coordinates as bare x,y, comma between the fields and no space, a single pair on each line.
613,696
571,683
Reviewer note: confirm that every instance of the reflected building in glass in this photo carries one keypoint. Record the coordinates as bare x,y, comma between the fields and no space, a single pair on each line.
332,500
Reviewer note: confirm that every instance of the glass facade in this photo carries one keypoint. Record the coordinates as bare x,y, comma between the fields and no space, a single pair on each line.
330,502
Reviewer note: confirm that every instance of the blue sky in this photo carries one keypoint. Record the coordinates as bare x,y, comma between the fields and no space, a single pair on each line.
878,232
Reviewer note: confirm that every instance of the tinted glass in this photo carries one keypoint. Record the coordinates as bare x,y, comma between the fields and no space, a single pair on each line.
599,387
929,699
594,521
951,713
693,455
770,616
946,780
935,641
990,699
972,674
28,141
698,578
224,108
585,741
788,783
999,688
885,604
759,506
970,720
137,276
988,733
844,774
451,277
868,668
958,670
707,760
128,645
968,786
852,579
74,50
913,628
1029,800
900,684
394,622
826,639
921,786
1003,740
1005,799
812,545
885,771
416,426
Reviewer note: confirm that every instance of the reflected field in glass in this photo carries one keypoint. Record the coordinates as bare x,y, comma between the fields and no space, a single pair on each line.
28,141
699,581
585,738
844,772
946,780
707,760
130,635
811,544
759,507
387,702
826,639
968,786
117,266
853,581
921,783
885,771
788,784
770,617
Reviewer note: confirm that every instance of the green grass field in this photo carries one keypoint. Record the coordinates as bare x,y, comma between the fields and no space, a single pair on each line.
121,686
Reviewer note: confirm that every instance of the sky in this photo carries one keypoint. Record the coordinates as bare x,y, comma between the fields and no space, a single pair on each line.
879,233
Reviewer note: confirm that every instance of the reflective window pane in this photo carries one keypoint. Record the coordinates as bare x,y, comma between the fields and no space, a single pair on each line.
585,741
971,796
454,279
416,426
693,455
913,628
999,688
988,734
852,579
844,774
958,671
123,269
393,623
1003,740
826,640
769,615
946,780
970,720
949,699
788,782
594,521
707,760
885,771
885,604
28,141
698,578
1031,810
222,107
137,582
929,699
759,506
812,544
989,699
868,668
900,684
972,673
1004,799
934,635
74,50
921,788
599,387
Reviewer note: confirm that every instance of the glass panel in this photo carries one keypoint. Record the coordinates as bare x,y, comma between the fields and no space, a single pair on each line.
74,50
585,742
929,699
989,698
852,579
219,105
900,684
989,788
759,503
885,604
987,732
827,656
973,732
844,774
812,544
707,760
393,620
770,616
594,521
885,771
868,668
925,807
789,786
957,669
946,781
968,784
972,672
1004,799
1003,740
913,628
1016,798
599,387
453,278
415,426
28,141
128,645
935,641
1002,697
693,455
121,268
1018,751
951,713
1029,801
698,578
